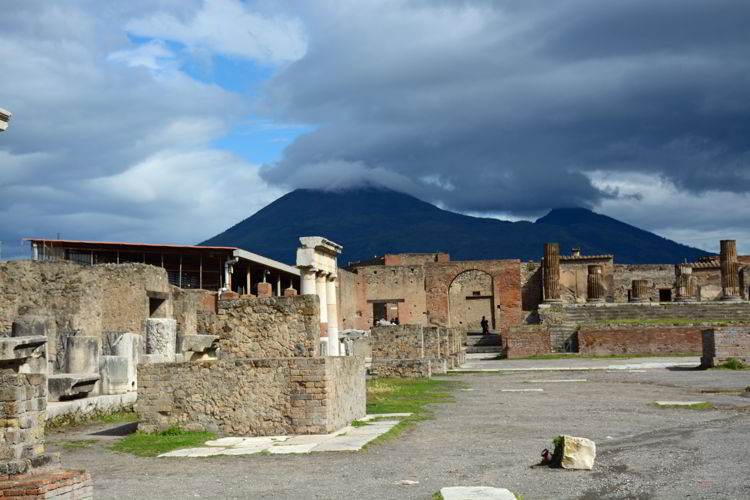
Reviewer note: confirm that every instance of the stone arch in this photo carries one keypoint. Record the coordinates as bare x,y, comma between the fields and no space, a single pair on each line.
470,296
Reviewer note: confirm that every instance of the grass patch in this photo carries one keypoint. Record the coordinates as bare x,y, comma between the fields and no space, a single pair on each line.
694,406
406,395
359,423
150,445
76,444
660,321
437,496
608,356
72,420
732,364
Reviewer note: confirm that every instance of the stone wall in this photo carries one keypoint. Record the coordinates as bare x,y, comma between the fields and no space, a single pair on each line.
470,298
402,284
253,397
23,400
531,290
268,327
640,339
401,368
659,276
85,299
353,308
603,313
414,259
397,342
574,277
524,341
725,342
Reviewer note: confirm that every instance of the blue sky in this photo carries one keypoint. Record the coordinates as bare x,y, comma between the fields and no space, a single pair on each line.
167,121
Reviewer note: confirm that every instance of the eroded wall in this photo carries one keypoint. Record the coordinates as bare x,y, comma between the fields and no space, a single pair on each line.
659,276
574,278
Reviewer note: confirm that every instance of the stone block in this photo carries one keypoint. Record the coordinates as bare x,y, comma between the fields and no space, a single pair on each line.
114,374
81,354
161,337
577,453
476,493
71,385
265,289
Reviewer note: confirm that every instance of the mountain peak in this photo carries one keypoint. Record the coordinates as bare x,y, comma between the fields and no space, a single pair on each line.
372,220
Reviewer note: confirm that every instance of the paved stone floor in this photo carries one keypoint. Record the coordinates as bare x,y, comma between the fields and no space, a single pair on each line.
347,439
492,438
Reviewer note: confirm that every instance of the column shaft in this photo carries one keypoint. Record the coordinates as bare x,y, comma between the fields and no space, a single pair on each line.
333,327
729,270
595,286
320,286
307,282
551,272
639,291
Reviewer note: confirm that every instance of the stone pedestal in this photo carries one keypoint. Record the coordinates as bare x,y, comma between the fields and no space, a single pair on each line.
81,354
729,270
264,289
639,291
551,272
131,346
684,279
290,292
36,322
161,338
595,291
113,375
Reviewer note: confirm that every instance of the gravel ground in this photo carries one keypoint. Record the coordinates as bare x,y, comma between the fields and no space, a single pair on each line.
486,437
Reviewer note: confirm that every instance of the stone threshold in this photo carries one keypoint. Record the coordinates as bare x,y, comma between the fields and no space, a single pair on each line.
349,438
91,405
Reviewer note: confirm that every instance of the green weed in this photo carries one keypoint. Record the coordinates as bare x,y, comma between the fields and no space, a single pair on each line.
153,444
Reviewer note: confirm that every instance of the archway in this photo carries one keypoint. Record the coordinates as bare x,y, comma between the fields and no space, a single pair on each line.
469,298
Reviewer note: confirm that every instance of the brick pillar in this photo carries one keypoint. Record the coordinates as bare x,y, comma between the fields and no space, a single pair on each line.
639,291
684,280
729,270
290,291
595,284
551,272
264,289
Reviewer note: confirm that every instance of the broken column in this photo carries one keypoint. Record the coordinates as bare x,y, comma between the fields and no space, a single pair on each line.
551,272
114,375
639,291
595,290
729,270
81,354
161,338
333,320
684,275
130,345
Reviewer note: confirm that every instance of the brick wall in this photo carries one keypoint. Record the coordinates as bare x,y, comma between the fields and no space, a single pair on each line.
721,343
253,397
267,327
531,288
635,339
574,278
658,276
527,341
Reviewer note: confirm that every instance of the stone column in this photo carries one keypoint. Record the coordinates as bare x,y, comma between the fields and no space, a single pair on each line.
745,282
551,272
595,284
320,286
639,291
729,270
333,321
684,276
161,338
307,281
82,354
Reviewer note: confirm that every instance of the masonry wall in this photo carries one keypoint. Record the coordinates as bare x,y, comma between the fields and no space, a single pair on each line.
351,301
531,290
253,397
267,327
725,342
643,339
527,341
574,278
23,401
470,298
397,342
659,276
395,283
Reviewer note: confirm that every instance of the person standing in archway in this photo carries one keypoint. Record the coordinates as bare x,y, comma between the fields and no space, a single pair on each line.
485,326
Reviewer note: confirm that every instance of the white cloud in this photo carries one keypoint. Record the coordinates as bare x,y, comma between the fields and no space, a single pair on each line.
153,55
228,27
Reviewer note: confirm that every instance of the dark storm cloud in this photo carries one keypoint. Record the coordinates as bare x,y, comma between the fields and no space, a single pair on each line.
508,106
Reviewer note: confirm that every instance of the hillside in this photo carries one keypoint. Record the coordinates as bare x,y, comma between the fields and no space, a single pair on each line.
369,222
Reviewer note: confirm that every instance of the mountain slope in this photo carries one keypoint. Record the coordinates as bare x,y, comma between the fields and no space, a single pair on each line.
369,222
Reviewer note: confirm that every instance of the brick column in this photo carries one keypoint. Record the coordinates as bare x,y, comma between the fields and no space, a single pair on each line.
639,291
551,272
729,270
595,284
684,276
264,289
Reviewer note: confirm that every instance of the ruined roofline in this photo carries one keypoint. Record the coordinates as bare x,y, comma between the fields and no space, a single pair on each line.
119,243
587,257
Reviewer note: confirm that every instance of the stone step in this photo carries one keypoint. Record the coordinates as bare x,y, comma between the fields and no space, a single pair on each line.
481,340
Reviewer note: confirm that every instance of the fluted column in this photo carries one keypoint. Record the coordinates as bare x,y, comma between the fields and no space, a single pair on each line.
684,280
551,272
333,321
320,286
639,291
595,284
729,270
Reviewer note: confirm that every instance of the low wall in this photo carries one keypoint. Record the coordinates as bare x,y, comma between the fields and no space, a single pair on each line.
637,339
401,368
267,327
397,342
527,341
390,344
725,342
253,397
23,398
